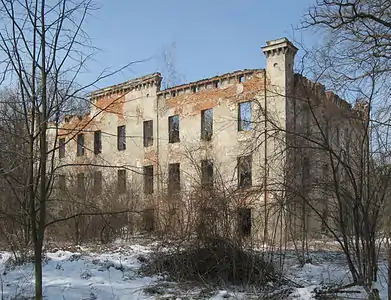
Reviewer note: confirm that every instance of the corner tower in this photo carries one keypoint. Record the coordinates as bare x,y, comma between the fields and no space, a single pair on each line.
279,85
280,56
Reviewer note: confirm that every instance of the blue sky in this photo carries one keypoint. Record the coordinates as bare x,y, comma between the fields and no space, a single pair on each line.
211,37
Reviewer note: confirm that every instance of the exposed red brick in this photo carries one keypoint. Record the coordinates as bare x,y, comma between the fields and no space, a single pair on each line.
209,98
113,103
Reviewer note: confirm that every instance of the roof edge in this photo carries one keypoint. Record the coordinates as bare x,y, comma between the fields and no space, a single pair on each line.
126,85
216,78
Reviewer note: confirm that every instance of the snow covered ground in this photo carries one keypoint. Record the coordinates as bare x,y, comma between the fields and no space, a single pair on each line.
329,268
112,273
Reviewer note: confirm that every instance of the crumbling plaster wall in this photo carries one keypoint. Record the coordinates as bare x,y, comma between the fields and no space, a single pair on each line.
222,94
113,109
314,107
272,90
227,142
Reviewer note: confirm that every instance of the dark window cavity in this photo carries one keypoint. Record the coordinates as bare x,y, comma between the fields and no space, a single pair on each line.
173,127
148,180
61,147
121,138
244,221
338,136
62,185
306,169
98,182
207,173
121,181
325,171
97,142
244,116
174,180
80,144
206,124
148,133
81,188
245,171
325,217
149,220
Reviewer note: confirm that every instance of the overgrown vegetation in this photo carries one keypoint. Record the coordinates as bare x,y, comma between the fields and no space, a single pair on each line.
216,262
209,222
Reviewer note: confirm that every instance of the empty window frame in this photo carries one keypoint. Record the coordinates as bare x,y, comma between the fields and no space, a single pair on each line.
121,138
207,173
206,124
244,221
148,180
338,136
173,129
325,218
174,179
80,144
306,179
347,137
244,116
245,171
97,142
327,132
308,116
306,169
98,182
325,172
121,185
81,188
61,148
148,133
62,185
149,219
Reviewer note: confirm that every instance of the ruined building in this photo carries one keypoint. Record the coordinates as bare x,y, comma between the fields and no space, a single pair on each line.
185,156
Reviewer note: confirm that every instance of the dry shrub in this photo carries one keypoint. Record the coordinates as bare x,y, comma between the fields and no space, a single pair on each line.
93,217
217,261
102,228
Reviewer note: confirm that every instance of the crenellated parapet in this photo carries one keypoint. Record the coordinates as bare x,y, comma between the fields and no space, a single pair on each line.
72,118
278,47
138,84
319,93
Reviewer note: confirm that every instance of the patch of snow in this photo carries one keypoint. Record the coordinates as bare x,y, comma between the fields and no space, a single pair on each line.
305,293
112,273
69,276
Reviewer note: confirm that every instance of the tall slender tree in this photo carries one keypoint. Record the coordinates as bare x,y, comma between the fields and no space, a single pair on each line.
43,48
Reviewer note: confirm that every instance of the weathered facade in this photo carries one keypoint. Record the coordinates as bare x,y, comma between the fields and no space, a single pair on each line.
239,134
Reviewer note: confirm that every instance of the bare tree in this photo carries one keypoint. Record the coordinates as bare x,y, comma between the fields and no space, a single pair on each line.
42,50
332,180
354,60
169,68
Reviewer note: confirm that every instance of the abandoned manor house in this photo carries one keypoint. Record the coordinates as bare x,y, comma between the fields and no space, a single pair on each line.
223,154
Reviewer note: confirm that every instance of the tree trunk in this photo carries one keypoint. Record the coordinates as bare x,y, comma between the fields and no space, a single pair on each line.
38,270
389,272
43,122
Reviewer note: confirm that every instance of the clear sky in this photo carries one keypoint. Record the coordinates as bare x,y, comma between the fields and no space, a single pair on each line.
211,37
